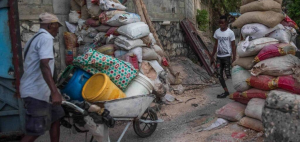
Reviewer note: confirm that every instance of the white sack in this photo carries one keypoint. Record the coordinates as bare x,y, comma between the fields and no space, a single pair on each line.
126,43
239,77
278,66
256,30
251,48
123,19
134,30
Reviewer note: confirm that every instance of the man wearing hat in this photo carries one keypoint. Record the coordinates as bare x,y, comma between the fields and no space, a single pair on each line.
42,100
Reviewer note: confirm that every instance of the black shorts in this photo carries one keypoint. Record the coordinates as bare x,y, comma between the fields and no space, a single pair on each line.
40,115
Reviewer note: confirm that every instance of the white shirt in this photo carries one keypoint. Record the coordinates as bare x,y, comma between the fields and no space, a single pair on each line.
32,82
224,42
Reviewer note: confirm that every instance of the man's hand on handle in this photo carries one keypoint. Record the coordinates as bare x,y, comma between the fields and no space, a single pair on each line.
56,98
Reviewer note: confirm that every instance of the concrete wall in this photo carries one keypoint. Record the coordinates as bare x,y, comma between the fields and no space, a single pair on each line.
29,11
171,36
167,10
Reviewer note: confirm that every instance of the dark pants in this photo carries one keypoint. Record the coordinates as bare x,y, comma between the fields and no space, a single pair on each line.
40,115
223,63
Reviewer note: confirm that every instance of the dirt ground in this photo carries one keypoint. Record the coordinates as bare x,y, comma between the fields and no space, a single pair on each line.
193,110
182,118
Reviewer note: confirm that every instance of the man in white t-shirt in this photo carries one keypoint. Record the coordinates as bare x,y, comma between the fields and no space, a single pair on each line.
37,83
225,48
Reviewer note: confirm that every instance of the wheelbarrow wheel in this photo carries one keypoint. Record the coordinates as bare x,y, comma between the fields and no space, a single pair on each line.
145,129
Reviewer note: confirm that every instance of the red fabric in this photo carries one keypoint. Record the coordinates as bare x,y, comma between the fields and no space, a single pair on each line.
165,62
267,52
103,18
275,50
255,93
239,98
238,135
112,31
91,22
261,82
134,61
95,2
288,83
69,59
287,21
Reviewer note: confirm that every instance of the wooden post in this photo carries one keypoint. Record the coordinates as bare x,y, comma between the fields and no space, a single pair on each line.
139,10
149,22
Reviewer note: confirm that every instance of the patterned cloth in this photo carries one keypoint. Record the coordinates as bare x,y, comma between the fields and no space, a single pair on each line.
119,72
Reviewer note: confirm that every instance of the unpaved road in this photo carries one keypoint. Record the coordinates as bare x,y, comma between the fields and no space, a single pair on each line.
181,121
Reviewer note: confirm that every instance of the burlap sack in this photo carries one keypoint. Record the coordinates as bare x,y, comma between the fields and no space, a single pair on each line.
80,2
267,18
85,13
75,6
94,11
248,1
247,62
264,5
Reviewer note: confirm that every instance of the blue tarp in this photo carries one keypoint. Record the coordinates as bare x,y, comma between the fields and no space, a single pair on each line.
235,13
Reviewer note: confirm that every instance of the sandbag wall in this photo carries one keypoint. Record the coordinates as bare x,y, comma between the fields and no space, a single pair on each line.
103,37
266,58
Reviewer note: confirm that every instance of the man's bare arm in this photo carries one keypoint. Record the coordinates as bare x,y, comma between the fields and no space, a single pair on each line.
47,75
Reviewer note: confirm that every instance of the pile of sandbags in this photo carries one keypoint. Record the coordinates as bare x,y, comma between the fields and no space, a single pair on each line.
266,58
101,32
253,114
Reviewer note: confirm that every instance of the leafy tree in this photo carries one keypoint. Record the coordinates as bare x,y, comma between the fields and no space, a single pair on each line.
202,19
293,10
223,7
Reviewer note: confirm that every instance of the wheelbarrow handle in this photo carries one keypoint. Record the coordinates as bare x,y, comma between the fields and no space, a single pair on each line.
82,111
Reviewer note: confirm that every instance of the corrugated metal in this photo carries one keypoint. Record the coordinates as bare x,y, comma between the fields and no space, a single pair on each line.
197,45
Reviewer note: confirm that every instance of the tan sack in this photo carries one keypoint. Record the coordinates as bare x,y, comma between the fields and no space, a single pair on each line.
277,66
94,11
74,6
80,2
251,123
268,18
85,13
249,1
264,5
247,62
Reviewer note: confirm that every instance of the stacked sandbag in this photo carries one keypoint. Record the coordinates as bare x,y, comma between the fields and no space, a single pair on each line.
253,114
268,53
267,49
103,37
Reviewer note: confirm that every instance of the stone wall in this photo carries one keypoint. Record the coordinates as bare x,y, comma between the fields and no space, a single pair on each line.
29,11
173,40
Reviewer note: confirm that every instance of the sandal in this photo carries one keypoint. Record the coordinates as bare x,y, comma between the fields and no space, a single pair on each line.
223,95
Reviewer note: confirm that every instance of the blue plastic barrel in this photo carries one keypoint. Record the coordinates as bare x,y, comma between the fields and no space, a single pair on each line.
74,87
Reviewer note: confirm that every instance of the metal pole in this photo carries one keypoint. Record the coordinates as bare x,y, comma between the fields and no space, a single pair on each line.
123,133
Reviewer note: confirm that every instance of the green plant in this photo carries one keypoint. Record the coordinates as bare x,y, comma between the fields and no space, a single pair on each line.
202,19
293,7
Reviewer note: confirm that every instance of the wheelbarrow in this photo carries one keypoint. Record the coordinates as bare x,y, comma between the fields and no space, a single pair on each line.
133,109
